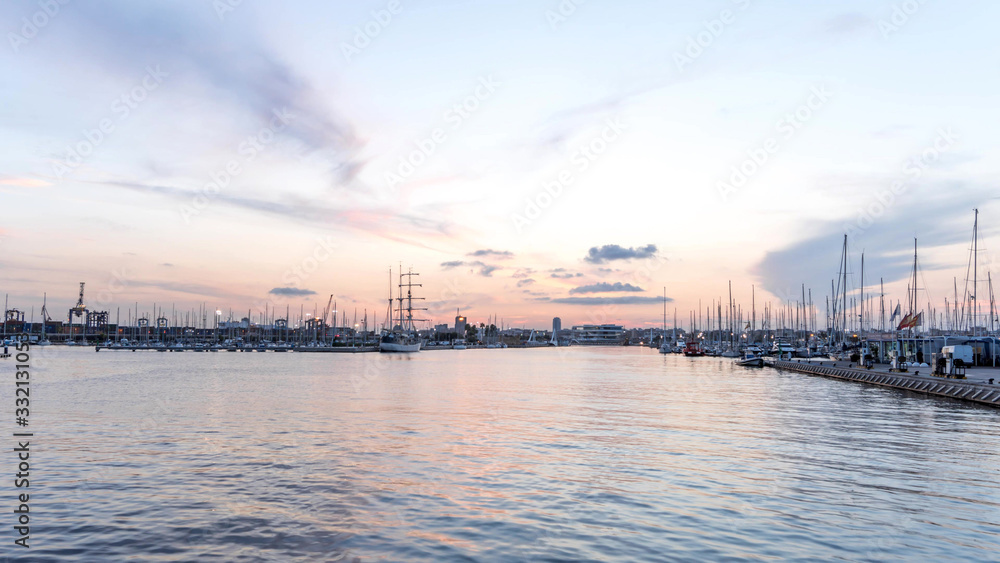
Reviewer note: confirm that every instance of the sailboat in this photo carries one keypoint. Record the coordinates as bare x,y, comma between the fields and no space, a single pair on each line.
402,337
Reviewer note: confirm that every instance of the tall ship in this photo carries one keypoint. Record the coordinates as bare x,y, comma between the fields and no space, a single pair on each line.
401,332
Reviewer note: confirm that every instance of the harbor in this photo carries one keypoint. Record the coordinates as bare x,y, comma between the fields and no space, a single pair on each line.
492,281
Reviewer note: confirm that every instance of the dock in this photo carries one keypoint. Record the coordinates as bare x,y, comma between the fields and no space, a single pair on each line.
313,349
979,388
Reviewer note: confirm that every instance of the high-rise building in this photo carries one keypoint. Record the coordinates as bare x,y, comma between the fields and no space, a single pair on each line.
460,324
556,324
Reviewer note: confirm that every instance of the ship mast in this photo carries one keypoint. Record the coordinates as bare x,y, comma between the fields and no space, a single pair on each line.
407,323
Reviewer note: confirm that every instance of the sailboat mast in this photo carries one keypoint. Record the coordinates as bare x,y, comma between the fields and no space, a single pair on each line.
975,273
862,322
843,291
730,311
881,322
914,311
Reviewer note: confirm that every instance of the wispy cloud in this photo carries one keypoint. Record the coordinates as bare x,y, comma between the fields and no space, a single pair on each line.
612,252
604,287
383,223
627,300
485,270
490,253
291,291
564,274
23,182
524,283
128,35
849,24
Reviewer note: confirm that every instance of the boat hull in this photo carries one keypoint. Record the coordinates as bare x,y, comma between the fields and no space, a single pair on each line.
751,362
398,347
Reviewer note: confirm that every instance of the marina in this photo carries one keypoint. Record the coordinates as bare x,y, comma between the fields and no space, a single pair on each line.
500,281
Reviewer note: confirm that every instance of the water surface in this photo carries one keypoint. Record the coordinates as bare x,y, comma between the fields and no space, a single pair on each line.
610,454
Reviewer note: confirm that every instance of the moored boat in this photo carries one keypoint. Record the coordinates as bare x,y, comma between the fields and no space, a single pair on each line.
752,357
403,336
692,349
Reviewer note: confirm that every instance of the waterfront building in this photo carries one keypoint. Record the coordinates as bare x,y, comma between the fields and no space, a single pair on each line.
599,335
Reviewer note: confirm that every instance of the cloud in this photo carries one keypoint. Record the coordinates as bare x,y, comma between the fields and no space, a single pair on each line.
383,223
167,264
198,52
888,243
563,274
628,300
611,252
498,254
522,273
524,283
605,287
485,270
848,24
535,293
22,182
291,291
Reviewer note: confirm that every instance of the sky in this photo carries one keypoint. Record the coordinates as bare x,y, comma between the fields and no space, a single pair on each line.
579,159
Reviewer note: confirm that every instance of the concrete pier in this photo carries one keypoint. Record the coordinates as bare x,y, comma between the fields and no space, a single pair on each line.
977,391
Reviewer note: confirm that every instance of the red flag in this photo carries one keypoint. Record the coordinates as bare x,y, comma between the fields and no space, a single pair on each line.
905,323
911,321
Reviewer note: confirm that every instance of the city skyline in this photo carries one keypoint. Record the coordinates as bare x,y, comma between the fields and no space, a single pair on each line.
234,155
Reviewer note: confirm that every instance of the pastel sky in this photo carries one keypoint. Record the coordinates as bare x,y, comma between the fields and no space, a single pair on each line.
564,159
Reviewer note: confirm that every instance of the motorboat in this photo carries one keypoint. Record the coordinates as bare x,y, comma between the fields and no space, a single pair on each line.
751,358
692,349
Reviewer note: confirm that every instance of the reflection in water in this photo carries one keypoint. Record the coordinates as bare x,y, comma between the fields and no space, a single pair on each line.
569,454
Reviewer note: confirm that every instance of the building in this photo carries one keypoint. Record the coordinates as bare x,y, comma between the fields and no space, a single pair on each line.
460,325
556,325
599,335
442,329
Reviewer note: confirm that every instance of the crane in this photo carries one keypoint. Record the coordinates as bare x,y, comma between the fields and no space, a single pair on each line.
326,311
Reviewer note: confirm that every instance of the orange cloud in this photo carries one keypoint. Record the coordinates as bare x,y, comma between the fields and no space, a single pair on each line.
23,182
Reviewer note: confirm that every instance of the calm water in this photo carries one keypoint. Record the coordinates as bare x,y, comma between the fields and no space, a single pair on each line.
495,455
